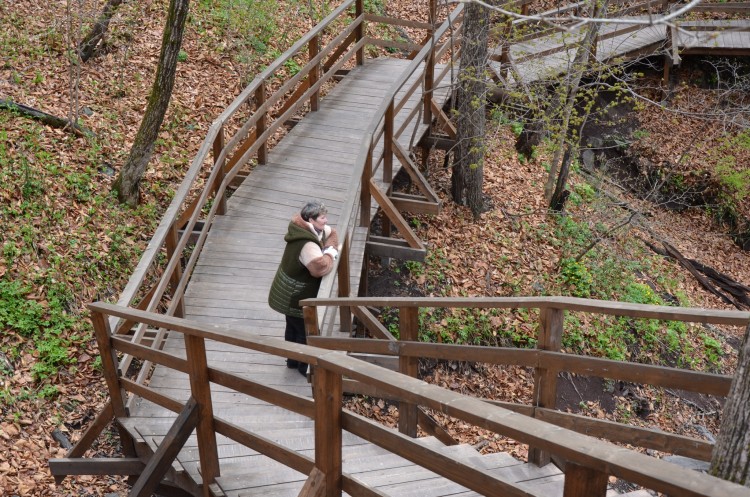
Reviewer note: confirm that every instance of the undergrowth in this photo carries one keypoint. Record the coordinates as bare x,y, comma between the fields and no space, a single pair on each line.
64,242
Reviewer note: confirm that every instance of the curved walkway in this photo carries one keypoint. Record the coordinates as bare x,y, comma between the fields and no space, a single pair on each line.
231,281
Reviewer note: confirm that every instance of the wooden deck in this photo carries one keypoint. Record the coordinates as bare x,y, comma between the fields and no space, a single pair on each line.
549,56
231,281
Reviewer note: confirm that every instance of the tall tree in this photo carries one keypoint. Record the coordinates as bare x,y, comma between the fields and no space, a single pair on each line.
128,181
568,145
471,98
731,455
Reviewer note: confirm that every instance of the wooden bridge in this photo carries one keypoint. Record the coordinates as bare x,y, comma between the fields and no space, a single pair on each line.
195,360
527,52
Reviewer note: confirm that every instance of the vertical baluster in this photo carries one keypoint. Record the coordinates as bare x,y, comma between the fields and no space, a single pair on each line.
327,391
581,481
359,10
429,71
260,127
408,325
195,349
112,377
345,313
545,380
365,197
218,147
171,242
388,144
314,49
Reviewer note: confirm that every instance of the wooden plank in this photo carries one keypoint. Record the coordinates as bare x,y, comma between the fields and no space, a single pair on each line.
126,466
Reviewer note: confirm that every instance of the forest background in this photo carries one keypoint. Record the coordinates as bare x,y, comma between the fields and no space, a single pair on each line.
65,241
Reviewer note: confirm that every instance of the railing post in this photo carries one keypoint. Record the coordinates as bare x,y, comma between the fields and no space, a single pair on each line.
345,313
260,127
408,326
364,195
505,47
310,315
327,392
388,144
314,49
118,397
171,242
218,147
581,481
195,349
545,380
429,70
359,10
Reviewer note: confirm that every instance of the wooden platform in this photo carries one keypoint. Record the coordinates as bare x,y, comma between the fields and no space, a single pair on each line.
549,56
231,281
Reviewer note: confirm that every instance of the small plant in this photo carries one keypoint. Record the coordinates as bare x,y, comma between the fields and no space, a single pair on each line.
577,277
640,134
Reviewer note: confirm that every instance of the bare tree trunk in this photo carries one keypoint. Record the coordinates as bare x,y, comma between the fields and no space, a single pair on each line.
471,98
87,46
731,456
128,181
566,104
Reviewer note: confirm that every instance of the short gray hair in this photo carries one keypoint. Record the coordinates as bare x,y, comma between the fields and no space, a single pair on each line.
313,209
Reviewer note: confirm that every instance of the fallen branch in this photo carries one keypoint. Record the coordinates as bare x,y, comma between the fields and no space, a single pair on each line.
719,284
48,119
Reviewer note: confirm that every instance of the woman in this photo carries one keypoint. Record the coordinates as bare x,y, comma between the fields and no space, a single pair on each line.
308,256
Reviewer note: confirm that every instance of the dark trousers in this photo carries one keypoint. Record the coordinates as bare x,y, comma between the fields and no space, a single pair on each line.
295,332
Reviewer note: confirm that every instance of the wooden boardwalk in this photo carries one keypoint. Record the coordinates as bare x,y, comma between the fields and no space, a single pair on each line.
231,281
549,56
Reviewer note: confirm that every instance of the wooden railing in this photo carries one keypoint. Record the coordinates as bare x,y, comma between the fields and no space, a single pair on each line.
588,462
547,360
522,30
159,281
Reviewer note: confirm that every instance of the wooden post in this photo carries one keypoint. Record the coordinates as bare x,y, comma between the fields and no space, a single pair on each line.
429,72
176,276
314,49
345,313
505,46
525,8
218,147
195,348
408,326
310,315
260,127
118,397
388,144
364,196
545,380
327,392
581,481
359,11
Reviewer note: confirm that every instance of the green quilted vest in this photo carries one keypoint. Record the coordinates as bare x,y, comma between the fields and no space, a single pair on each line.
293,282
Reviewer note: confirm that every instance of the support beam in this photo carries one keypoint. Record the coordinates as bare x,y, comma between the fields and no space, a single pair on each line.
124,466
162,459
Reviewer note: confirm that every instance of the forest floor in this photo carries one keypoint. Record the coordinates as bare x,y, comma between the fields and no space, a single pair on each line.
65,241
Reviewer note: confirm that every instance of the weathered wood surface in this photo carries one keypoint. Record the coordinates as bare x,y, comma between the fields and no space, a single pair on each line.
549,56
231,280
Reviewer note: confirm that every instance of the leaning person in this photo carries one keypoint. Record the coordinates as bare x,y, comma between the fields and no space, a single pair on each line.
311,248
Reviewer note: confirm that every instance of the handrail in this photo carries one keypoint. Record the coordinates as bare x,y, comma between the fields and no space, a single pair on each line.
547,360
349,212
695,25
628,309
584,454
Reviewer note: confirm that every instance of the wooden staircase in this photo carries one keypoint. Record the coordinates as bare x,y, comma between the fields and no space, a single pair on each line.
387,474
